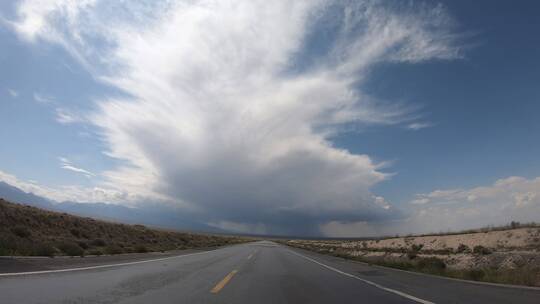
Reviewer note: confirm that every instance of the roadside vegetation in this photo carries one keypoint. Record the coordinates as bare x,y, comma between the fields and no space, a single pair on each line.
29,231
506,256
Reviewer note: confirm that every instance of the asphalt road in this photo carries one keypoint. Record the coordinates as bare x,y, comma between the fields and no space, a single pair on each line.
261,272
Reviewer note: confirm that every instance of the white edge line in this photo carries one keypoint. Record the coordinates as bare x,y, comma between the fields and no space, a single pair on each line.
405,295
12,274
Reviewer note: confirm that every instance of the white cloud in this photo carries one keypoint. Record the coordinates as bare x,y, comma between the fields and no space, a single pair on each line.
13,93
43,99
67,165
220,118
418,126
71,192
513,191
509,199
65,116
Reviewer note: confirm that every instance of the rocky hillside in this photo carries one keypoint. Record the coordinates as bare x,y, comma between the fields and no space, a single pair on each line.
26,230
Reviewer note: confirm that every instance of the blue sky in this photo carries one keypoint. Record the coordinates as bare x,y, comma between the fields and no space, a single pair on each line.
481,107
349,118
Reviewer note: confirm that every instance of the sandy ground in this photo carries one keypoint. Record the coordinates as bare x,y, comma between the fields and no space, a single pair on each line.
497,240
521,238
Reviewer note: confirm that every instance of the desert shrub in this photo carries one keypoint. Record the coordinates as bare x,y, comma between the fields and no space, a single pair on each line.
21,231
5,251
474,274
395,264
7,245
411,254
141,249
75,232
519,276
479,249
114,249
462,248
417,247
432,264
96,252
22,227
71,249
98,243
43,249
129,249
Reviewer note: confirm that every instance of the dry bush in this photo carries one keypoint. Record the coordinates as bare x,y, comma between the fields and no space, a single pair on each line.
28,230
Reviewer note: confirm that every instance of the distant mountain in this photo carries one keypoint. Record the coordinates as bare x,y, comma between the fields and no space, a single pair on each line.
14,194
152,215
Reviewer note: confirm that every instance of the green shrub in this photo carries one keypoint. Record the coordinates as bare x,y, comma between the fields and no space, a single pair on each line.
432,265
83,245
98,243
479,249
141,249
75,232
43,249
474,274
462,248
96,252
21,231
417,247
411,254
114,249
7,246
71,249
515,225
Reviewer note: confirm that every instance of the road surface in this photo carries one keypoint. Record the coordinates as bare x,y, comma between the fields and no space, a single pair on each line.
261,272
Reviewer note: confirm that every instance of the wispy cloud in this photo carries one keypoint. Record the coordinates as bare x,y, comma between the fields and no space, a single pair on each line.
67,165
419,125
65,116
216,102
43,99
13,93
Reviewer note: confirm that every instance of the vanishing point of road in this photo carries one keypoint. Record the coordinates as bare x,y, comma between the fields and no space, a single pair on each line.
260,272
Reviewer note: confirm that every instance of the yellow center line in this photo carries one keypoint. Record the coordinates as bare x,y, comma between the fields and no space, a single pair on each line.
223,282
